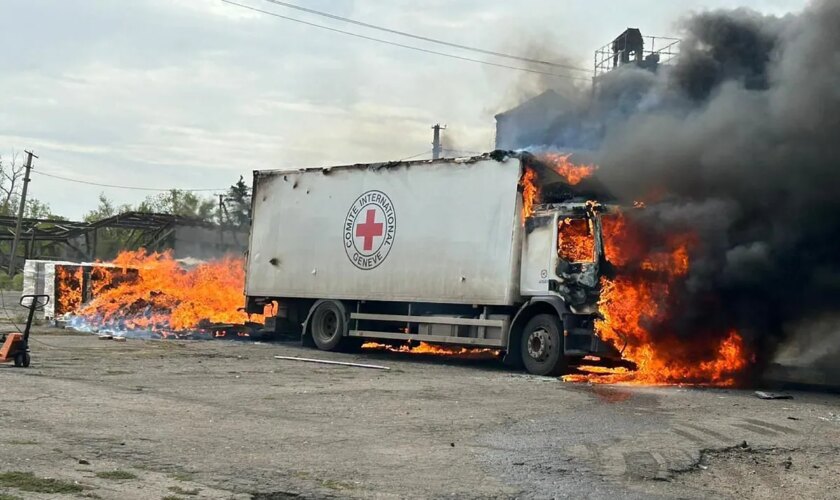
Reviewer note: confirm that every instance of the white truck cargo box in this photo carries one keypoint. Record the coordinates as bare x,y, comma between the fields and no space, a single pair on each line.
444,231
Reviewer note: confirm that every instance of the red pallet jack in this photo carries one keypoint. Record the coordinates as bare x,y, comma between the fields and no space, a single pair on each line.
16,345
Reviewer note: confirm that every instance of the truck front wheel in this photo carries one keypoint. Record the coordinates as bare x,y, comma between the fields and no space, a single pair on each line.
542,346
328,325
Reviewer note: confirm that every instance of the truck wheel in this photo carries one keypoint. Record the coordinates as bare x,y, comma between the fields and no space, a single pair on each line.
19,360
328,325
26,360
542,346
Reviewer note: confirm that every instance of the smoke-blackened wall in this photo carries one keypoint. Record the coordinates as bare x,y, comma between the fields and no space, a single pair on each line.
739,142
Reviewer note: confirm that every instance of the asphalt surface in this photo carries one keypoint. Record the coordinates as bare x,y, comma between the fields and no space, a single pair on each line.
226,420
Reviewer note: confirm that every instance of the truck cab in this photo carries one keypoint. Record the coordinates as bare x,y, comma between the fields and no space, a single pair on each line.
562,263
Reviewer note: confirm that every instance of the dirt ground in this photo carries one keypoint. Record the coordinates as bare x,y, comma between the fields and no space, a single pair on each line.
220,419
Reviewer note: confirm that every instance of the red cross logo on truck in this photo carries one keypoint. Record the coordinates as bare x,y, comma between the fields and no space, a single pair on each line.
369,230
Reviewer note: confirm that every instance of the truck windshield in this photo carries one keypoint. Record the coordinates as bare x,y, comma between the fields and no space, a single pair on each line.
575,241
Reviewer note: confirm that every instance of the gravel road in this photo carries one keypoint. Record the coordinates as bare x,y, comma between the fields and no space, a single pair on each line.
226,420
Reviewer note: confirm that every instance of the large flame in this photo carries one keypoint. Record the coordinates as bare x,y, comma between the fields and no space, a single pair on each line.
530,192
140,291
576,242
638,299
68,286
572,172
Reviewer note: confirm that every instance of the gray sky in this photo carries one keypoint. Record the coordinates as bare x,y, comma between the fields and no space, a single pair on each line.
193,93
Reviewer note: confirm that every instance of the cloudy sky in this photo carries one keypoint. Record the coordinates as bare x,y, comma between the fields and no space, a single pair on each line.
193,93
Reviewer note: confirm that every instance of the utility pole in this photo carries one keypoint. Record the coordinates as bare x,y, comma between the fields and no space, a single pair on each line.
436,146
21,208
221,221
221,209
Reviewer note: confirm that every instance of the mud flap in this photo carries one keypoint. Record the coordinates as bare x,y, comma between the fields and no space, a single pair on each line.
580,339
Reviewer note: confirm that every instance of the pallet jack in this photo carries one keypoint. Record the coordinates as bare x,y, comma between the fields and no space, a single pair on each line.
16,345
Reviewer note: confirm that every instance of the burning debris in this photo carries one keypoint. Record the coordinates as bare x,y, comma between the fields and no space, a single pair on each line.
69,283
140,294
432,349
573,173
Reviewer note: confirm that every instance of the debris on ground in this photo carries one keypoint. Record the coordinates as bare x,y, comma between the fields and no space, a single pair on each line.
772,395
327,362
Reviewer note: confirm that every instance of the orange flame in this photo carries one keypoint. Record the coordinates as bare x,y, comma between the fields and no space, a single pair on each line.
530,192
68,287
424,348
633,301
573,173
153,292
575,243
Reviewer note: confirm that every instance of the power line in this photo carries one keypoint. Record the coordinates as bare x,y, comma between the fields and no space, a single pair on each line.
428,39
136,188
415,156
463,151
411,47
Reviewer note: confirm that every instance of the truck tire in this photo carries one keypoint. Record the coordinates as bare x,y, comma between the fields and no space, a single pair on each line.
542,346
327,326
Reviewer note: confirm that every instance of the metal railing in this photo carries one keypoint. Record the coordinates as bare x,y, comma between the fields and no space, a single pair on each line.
655,50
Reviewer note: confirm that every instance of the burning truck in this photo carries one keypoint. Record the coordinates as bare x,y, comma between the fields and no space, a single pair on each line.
502,251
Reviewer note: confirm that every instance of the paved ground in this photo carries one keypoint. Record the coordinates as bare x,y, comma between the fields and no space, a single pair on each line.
146,419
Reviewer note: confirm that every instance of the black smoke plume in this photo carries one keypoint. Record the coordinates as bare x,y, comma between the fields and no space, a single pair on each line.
738,141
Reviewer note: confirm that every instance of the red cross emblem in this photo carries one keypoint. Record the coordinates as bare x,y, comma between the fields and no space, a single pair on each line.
369,229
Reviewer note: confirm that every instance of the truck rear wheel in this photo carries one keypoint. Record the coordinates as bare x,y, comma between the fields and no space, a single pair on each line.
542,346
327,326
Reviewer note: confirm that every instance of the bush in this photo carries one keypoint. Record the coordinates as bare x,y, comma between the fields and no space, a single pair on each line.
11,282
17,282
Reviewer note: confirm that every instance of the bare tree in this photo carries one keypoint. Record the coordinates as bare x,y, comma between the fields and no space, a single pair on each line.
11,172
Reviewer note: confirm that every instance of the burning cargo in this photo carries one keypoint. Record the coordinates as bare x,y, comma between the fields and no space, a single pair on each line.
68,284
146,294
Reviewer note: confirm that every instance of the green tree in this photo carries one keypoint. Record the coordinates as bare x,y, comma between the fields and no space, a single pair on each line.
105,209
177,202
36,209
109,241
237,204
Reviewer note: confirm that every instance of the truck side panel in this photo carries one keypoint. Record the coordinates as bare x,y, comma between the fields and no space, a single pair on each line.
440,232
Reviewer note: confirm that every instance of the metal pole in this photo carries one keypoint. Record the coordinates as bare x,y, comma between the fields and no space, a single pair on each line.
339,363
222,213
21,208
436,146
